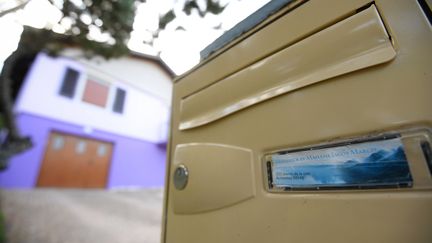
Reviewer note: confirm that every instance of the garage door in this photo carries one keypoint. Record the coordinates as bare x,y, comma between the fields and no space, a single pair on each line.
72,161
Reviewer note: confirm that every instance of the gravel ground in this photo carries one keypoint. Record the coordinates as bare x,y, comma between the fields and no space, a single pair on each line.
72,216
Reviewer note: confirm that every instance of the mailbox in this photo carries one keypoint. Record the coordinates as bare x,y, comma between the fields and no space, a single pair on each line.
310,121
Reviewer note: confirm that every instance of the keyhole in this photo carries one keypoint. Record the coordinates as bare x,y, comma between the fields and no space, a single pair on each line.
181,175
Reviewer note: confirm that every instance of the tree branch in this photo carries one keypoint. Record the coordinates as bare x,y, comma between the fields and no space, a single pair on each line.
11,10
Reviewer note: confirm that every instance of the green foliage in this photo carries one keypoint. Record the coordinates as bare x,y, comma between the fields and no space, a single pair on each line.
2,228
110,17
166,18
211,6
1,121
189,6
113,18
214,7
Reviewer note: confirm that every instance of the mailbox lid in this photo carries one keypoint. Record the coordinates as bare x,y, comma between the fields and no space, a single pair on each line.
282,29
317,58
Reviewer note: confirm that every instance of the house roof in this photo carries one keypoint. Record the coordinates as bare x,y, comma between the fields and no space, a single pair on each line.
155,59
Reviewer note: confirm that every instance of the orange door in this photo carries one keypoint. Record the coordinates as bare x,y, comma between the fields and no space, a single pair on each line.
72,161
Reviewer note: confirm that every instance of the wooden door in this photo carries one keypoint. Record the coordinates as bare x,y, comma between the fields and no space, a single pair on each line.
72,161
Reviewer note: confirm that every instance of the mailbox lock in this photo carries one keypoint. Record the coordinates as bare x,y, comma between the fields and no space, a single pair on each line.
181,175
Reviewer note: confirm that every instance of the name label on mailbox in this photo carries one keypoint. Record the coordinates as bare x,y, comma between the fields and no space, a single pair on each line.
357,165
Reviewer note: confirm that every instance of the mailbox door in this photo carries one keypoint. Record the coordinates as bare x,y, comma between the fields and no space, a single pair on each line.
317,76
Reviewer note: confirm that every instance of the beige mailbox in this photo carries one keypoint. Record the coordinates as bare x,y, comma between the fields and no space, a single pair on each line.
311,121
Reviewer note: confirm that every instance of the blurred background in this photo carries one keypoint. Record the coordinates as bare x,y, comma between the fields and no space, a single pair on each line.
85,95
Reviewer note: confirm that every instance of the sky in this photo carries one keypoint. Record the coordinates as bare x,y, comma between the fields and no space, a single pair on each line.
179,49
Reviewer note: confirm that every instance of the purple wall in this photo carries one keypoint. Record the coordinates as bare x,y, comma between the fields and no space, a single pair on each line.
134,163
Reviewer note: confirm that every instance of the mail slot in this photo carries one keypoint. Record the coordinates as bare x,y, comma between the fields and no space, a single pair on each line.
313,124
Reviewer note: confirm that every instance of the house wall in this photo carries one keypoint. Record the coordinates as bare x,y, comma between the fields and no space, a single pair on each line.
134,163
145,116
156,81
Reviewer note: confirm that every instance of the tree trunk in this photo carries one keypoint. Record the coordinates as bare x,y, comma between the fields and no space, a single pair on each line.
14,143
6,104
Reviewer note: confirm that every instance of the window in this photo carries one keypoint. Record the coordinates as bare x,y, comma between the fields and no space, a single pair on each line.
69,83
80,147
96,93
58,142
102,150
119,100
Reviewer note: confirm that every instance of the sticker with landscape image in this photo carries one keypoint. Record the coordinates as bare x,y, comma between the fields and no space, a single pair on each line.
369,164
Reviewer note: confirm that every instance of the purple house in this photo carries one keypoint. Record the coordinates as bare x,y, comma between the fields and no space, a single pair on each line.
94,123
